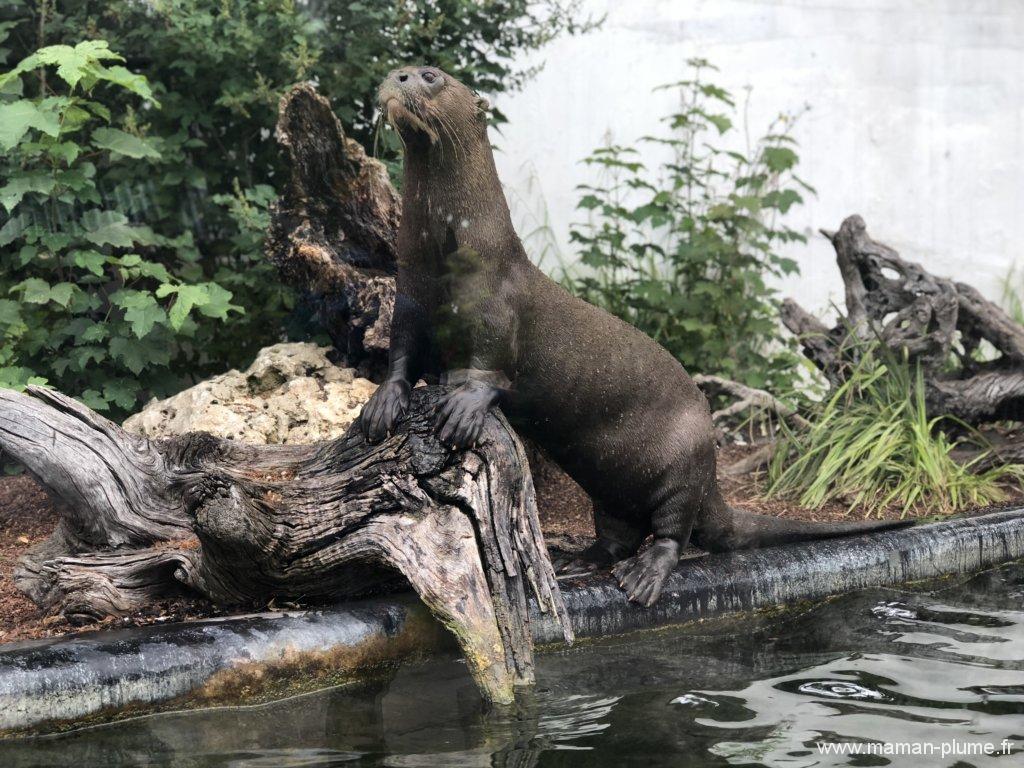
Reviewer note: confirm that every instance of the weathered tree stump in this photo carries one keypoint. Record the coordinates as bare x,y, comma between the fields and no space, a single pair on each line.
333,230
938,323
146,519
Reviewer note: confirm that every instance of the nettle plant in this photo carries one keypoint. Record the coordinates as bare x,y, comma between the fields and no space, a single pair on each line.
683,253
90,302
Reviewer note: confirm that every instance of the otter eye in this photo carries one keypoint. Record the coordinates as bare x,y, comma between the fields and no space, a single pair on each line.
429,76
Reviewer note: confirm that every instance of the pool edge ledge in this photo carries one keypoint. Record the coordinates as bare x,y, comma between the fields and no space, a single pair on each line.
94,676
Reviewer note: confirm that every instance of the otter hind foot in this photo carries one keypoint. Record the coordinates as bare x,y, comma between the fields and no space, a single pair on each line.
596,557
642,576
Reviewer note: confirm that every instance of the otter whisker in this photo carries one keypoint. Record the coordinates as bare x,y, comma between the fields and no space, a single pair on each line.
448,128
453,134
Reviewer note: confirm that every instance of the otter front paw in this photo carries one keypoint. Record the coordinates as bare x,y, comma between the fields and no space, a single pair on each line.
382,411
460,416
642,576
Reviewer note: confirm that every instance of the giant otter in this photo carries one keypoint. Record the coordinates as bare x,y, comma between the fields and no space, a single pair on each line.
609,405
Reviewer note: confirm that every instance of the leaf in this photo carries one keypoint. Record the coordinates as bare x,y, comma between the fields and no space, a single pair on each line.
61,293
187,297
94,332
142,312
137,354
117,235
721,122
122,143
218,303
18,377
17,117
154,269
210,299
121,392
97,109
137,84
56,241
93,261
108,228
782,199
14,228
14,190
33,290
83,355
94,400
73,64
10,312
67,151
779,159
26,254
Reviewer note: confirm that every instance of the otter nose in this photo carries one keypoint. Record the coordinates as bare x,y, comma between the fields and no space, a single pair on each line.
403,76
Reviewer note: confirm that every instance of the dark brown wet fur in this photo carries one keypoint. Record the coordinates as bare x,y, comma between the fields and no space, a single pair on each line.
611,406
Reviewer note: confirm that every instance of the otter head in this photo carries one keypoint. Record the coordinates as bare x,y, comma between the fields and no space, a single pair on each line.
424,102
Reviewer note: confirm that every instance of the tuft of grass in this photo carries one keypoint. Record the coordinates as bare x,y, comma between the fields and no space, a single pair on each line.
1013,293
872,445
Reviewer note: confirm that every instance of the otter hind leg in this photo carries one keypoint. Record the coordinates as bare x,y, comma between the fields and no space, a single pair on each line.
616,538
643,575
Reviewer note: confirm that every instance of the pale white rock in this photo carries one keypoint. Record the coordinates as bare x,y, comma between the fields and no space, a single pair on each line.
292,393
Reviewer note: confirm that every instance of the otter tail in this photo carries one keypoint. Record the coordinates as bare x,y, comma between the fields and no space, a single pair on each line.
724,529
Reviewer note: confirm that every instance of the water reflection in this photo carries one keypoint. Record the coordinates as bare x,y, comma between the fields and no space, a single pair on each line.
928,665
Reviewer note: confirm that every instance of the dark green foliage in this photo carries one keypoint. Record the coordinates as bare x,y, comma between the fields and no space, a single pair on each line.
91,302
684,253
211,166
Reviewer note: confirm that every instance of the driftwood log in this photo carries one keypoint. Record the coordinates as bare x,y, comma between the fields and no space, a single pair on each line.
970,351
143,520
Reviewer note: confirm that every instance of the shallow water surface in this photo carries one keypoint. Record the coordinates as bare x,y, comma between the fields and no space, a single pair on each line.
917,670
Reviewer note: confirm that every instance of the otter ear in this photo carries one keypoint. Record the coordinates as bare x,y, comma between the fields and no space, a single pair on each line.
483,106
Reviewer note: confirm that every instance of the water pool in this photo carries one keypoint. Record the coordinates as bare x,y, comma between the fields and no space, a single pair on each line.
922,669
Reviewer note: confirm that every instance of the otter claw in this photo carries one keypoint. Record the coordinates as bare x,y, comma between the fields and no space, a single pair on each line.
383,410
460,418
643,576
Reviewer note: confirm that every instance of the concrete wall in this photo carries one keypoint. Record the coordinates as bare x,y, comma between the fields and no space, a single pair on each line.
916,117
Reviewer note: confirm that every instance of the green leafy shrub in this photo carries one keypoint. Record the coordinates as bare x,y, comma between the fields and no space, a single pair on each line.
684,253
91,302
219,67
872,444
195,202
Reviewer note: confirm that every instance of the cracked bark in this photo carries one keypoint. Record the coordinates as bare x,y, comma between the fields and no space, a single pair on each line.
242,524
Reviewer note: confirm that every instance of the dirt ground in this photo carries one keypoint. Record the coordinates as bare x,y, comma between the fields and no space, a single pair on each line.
27,517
